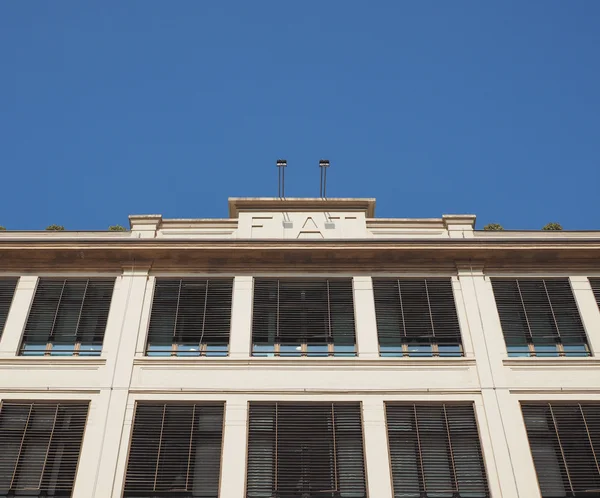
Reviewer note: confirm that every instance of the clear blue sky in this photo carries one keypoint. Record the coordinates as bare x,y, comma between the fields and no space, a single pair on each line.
110,108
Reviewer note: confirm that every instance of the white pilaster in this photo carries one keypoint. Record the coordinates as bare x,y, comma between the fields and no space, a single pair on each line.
130,293
376,448
365,319
17,316
240,339
235,441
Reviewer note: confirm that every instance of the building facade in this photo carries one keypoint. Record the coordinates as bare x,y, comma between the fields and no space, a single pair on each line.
300,348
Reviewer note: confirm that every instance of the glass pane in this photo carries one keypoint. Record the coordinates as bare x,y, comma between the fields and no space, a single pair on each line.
576,350
450,350
62,349
416,349
344,350
188,349
290,350
263,350
317,350
159,350
217,350
390,351
33,349
90,349
514,351
545,351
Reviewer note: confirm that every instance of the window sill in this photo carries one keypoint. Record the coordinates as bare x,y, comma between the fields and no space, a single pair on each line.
276,362
43,362
583,362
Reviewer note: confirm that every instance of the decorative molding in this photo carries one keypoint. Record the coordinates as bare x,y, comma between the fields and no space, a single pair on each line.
545,363
387,364
50,362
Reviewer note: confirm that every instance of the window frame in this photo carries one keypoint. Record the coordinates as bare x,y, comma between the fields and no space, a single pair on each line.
304,346
514,351
76,351
433,343
278,402
177,403
414,404
203,347
12,492
561,459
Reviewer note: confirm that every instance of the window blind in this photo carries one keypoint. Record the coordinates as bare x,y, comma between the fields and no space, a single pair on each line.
539,317
40,443
565,445
190,317
595,283
435,451
416,317
175,450
68,317
298,450
7,291
295,317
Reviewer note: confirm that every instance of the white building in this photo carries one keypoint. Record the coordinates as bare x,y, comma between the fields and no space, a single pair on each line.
301,348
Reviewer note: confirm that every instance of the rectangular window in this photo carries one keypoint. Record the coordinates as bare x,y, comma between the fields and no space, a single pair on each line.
539,317
295,317
175,451
190,317
41,443
68,317
416,317
435,451
7,291
305,449
565,445
595,283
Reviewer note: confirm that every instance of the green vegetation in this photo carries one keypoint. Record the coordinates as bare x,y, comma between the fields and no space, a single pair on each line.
57,228
117,228
553,226
493,227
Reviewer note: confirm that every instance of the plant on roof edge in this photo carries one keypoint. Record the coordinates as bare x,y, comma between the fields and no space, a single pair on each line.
57,228
2,228
116,228
493,227
553,226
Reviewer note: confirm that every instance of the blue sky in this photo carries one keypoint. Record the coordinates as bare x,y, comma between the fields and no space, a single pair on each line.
110,108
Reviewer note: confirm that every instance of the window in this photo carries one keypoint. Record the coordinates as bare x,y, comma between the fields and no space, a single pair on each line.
435,451
7,291
175,451
539,317
68,317
416,317
298,450
41,443
565,446
190,317
595,283
303,318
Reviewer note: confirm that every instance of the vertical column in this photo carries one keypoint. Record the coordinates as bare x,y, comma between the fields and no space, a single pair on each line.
516,436
131,293
235,443
240,338
588,309
376,448
365,319
17,316
89,459
489,350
